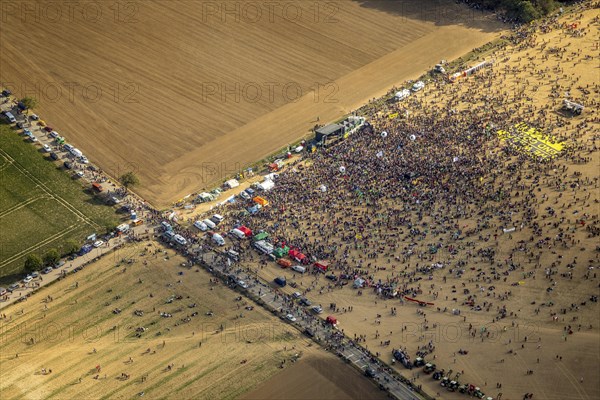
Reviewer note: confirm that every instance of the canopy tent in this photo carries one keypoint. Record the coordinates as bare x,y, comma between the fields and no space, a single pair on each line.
260,200
232,183
261,236
298,256
265,185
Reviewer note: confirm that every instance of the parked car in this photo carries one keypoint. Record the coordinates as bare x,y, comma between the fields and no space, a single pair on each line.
47,270
243,284
317,309
418,86
83,160
233,255
68,165
280,280
86,248
28,279
98,243
54,156
290,318
13,287
46,148
54,134
34,117
180,240
305,302
169,235
245,195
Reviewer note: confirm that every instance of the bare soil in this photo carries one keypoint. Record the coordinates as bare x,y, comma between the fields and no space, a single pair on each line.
183,94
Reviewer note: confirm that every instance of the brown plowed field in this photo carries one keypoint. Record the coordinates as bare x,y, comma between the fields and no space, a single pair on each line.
318,377
186,92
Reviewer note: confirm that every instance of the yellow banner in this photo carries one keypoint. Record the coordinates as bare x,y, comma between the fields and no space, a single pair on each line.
531,141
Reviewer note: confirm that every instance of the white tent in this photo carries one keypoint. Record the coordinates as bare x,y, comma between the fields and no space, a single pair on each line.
266,185
232,183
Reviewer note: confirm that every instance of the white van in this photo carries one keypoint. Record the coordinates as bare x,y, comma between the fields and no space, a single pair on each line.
401,95
11,118
180,240
238,234
218,239
76,152
122,228
218,217
209,223
418,86
201,225
299,268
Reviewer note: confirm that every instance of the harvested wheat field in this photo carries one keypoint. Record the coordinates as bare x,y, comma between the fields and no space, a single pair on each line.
77,338
186,92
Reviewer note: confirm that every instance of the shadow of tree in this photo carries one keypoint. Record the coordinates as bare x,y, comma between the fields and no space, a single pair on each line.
439,12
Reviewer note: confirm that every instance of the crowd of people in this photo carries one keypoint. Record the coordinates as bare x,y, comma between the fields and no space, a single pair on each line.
434,188
439,185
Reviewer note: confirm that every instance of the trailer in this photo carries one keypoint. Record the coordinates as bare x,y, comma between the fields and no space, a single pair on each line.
264,247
